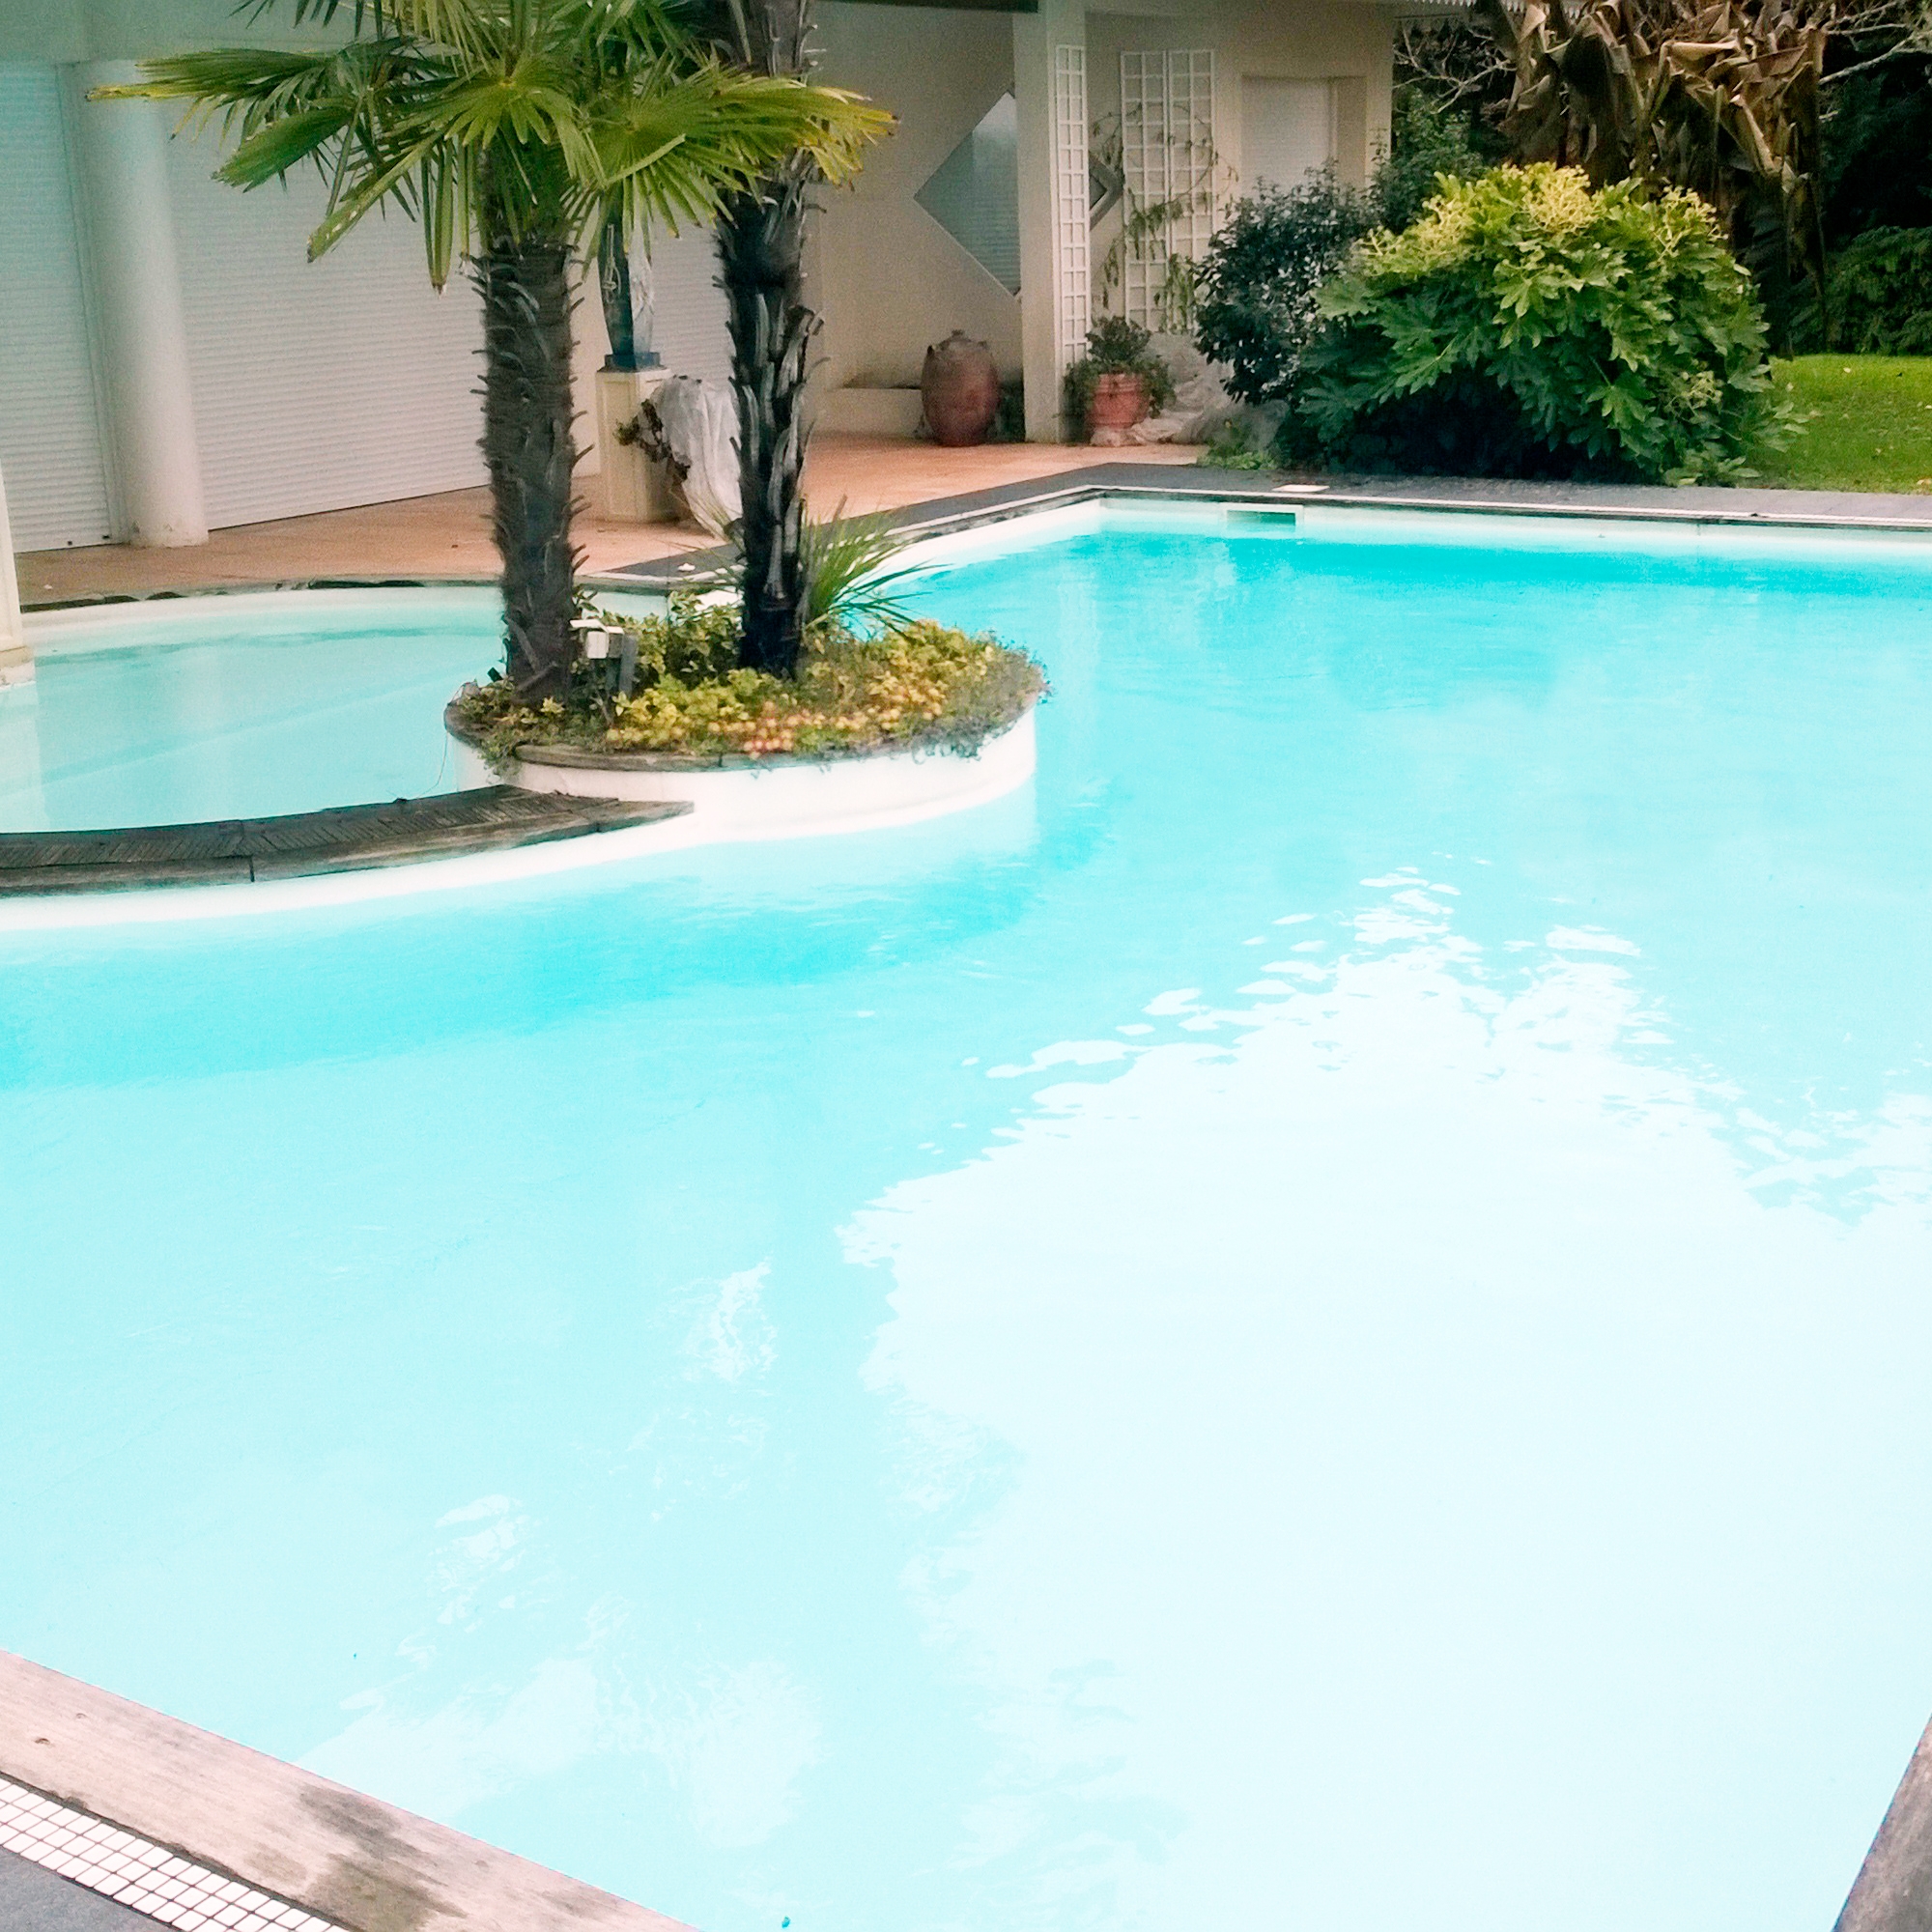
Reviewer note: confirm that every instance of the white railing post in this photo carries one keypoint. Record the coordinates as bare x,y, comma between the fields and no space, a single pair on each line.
1056,275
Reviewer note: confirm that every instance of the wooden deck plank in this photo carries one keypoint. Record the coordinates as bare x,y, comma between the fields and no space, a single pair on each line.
304,844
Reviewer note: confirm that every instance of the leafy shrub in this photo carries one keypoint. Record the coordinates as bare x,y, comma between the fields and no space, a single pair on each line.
1258,280
1117,346
919,684
1261,276
1880,294
1526,325
1427,140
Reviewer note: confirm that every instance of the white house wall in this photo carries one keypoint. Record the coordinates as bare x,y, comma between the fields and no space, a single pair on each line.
314,387
890,278
1347,44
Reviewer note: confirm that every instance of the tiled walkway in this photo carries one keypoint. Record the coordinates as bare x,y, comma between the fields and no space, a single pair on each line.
148,1882
449,535
35,1900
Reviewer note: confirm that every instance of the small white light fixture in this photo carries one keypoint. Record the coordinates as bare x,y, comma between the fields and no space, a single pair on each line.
595,637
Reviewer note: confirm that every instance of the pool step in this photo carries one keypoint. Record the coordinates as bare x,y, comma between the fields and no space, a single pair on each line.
345,839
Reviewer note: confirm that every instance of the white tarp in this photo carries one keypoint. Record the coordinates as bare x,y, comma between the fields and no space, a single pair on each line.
699,421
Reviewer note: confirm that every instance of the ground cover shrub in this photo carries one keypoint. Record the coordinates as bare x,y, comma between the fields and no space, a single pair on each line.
1526,325
1881,293
1868,423
914,684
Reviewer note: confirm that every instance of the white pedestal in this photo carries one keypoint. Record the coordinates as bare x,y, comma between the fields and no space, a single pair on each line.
630,487
16,659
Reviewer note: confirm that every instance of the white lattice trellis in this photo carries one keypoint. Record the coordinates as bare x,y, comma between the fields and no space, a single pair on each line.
1167,159
1072,271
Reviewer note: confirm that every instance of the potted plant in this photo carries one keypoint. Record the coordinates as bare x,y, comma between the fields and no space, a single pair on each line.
1118,382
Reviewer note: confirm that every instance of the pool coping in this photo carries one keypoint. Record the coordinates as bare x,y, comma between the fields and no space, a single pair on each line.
1692,503
337,1854
310,844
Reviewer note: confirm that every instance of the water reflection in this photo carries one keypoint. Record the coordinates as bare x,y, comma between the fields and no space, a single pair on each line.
1436,1468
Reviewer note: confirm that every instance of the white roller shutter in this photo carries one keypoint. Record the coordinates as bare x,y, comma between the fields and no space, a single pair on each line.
1287,131
688,308
49,425
322,385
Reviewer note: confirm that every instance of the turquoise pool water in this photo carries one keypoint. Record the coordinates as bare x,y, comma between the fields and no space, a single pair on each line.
1320,1322
239,707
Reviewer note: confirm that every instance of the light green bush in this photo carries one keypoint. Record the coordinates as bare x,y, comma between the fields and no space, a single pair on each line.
1527,326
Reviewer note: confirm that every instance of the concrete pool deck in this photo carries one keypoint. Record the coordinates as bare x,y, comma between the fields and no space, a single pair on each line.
447,536
445,539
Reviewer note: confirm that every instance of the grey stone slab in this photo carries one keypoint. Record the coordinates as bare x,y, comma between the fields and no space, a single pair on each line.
1807,508
492,818
33,1901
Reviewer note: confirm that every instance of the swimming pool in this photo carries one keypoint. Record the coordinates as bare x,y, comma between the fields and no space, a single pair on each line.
1317,1321
242,706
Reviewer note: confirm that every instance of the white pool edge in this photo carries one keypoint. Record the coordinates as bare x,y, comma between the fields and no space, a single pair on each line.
1002,766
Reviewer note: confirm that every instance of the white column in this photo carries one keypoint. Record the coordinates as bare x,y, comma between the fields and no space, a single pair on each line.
1050,87
16,660
122,151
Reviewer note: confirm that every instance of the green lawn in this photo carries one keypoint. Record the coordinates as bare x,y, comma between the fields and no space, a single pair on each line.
1871,428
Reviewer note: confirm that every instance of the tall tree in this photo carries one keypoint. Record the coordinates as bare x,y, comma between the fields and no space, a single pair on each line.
761,266
1719,96
514,132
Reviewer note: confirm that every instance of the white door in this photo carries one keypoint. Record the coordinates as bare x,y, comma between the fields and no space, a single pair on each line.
49,425
1287,131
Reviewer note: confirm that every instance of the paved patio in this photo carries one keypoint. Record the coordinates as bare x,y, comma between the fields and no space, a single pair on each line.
449,535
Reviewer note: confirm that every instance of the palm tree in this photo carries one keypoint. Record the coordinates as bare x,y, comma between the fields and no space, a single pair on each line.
514,132
761,266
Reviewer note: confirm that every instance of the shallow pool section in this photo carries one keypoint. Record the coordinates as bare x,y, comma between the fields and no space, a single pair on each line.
244,706
1318,1321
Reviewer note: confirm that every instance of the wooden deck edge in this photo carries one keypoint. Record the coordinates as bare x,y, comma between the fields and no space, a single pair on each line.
1893,1889
342,838
367,1865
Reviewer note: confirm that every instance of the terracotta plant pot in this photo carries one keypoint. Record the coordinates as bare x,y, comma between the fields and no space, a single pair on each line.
1120,402
960,386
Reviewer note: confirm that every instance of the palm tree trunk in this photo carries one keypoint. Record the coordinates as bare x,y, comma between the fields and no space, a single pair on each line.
761,252
527,447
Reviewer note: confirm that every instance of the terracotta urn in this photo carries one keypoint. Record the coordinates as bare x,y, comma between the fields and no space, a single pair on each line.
1120,402
960,385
